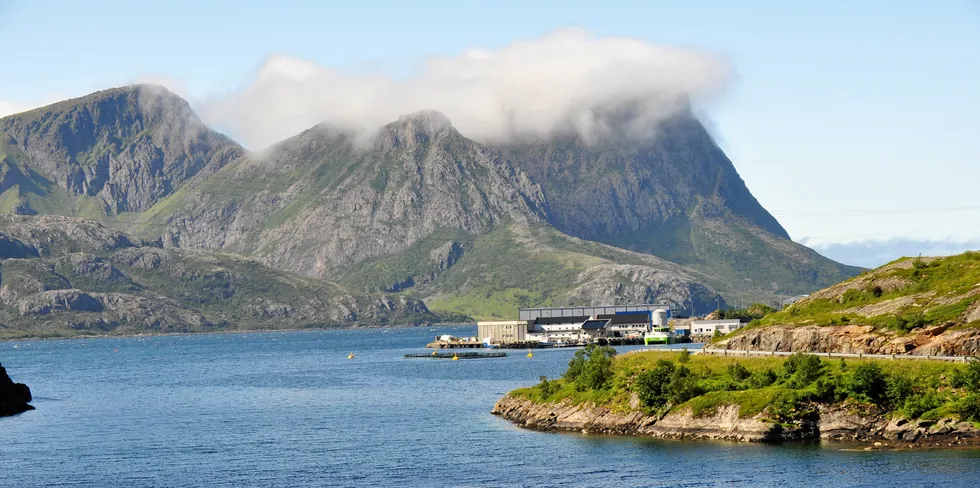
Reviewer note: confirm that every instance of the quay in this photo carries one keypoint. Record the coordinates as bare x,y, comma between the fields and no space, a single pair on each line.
461,355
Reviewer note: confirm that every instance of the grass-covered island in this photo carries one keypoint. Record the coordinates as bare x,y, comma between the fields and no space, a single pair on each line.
891,403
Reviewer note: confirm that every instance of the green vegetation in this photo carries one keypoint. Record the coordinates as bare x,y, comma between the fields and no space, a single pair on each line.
902,296
784,390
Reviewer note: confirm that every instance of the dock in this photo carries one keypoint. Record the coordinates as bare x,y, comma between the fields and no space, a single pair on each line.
461,355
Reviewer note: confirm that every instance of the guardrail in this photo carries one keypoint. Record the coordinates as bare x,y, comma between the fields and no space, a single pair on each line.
744,352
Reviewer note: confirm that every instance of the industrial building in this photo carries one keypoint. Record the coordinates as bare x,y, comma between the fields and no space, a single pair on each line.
575,325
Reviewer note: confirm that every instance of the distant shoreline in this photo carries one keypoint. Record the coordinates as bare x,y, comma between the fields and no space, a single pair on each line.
224,331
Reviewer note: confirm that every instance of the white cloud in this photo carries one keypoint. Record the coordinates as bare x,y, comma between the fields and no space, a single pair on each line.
528,88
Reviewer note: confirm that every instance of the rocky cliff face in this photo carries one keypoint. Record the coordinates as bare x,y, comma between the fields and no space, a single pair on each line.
858,339
126,147
14,397
836,422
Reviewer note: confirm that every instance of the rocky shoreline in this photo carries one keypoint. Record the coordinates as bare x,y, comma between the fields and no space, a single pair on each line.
836,423
14,397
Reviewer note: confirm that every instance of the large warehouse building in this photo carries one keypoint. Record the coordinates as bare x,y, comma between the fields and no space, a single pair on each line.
575,324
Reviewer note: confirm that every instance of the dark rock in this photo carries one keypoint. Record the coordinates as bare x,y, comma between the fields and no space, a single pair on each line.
13,396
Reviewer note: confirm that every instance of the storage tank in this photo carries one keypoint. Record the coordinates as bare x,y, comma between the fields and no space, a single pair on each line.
660,317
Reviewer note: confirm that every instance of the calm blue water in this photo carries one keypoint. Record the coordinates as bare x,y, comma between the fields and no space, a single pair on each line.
289,409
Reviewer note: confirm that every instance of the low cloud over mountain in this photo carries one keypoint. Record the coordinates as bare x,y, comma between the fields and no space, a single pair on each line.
568,79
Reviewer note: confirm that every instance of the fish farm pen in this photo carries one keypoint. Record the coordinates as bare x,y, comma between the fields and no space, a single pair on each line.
458,355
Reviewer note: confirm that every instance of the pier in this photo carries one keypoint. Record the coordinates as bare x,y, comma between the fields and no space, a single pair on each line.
461,355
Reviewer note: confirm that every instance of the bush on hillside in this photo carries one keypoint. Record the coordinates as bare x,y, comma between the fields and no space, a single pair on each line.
651,386
591,367
802,369
867,383
684,356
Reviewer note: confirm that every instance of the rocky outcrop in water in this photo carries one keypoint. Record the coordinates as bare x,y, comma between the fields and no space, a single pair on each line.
838,422
14,397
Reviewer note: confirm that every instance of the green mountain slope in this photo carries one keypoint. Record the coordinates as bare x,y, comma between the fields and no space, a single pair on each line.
62,276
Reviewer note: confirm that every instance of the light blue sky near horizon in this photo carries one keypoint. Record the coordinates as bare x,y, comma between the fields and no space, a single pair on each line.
849,121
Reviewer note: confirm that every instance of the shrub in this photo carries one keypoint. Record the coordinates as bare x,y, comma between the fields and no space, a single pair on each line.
897,390
738,372
651,386
762,379
825,389
969,377
684,356
784,408
969,407
683,386
802,369
867,383
546,388
916,405
591,367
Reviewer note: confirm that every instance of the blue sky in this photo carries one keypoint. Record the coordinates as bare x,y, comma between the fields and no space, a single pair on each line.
849,121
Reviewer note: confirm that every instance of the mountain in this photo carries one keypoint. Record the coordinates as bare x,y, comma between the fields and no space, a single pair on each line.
419,209
111,152
920,306
64,276
677,196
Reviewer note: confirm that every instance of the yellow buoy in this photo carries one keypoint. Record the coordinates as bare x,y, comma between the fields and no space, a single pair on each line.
455,358
434,353
529,353
351,355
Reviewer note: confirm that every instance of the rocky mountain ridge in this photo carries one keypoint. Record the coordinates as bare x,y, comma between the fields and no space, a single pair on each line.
410,207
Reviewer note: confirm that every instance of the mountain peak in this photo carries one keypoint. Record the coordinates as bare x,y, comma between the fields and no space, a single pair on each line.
415,128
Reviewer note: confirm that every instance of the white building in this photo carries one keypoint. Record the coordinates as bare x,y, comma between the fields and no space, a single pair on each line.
709,327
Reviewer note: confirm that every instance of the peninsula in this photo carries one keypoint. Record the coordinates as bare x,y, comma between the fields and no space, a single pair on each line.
886,404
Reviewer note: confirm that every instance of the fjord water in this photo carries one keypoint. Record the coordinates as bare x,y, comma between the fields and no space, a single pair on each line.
290,409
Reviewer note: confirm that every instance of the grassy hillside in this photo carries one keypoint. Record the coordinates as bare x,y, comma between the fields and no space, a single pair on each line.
902,296
492,275
781,389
